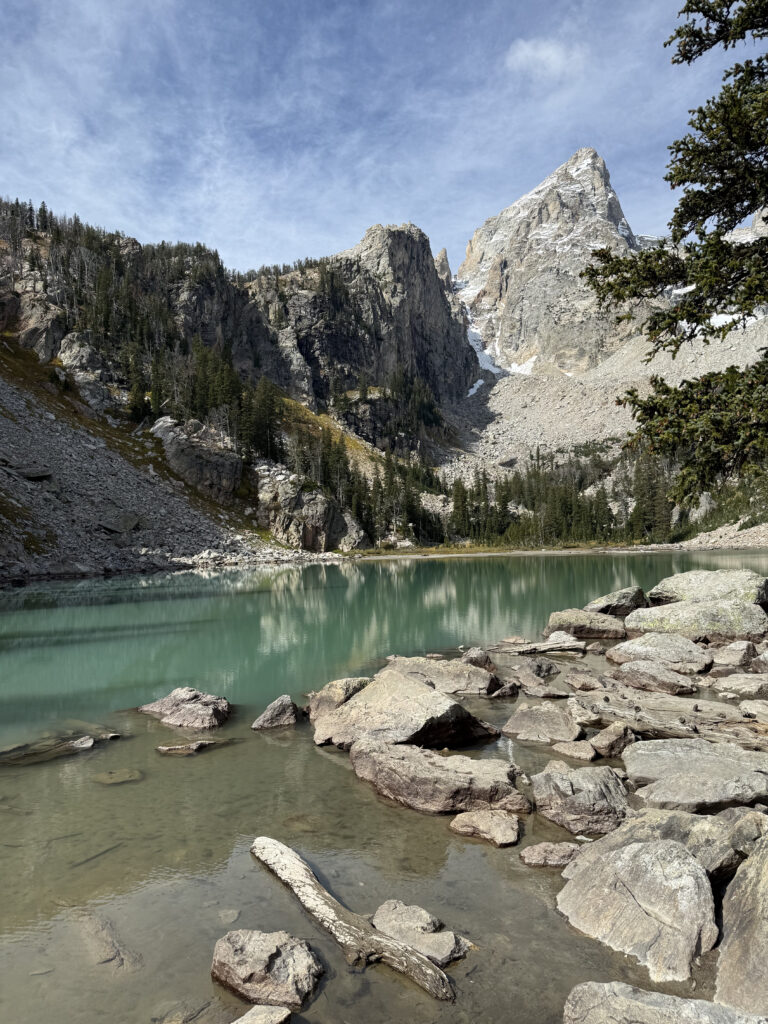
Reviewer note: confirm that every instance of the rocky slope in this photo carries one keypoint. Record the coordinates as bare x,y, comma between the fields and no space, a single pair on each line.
520,278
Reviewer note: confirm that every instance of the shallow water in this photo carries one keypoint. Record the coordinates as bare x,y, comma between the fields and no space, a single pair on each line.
166,859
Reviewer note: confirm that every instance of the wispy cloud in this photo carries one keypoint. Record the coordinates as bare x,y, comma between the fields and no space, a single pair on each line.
274,131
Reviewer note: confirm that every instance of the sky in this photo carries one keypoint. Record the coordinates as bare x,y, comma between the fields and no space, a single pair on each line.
274,131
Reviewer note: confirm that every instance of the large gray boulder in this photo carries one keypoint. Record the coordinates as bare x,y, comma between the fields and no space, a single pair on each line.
334,694
742,980
585,625
651,900
615,1003
418,928
436,784
708,838
581,800
729,619
542,723
188,708
395,708
711,585
675,652
652,675
620,602
498,827
696,776
457,676
266,967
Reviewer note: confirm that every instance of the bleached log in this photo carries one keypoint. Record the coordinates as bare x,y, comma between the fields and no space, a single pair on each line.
359,940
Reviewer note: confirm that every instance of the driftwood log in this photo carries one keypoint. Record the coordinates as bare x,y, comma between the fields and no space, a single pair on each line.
359,940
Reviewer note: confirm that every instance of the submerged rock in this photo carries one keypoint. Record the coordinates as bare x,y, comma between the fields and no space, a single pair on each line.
118,776
615,1003
266,967
711,585
280,713
437,784
549,855
498,827
585,625
589,800
619,603
416,927
676,652
188,708
742,980
702,620
651,900
542,723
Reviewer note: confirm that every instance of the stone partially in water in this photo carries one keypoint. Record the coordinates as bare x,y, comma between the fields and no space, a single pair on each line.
416,927
437,784
46,749
549,855
650,900
585,625
186,749
542,723
187,708
457,676
266,1015
498,827
588,800
279,714
266,967
615,1003
117,776
619,602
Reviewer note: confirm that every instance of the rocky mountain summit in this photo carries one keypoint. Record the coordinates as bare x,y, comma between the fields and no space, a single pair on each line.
520,277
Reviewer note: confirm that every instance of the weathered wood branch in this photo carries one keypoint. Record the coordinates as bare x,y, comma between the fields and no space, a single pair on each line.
358,938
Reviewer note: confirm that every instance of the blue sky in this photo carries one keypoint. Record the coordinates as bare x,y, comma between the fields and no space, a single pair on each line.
277,130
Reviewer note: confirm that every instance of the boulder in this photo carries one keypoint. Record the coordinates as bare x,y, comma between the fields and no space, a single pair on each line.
697,776
702,620
760,663
498,827
742,980
613,740
266,967
478,657
585,625
707,838
266,1015
739,654
711,585
581,750
748,825
583,680
619,603
542,723
652,675
396,708
280,713
188,708
675,652
615,1003
457,676
589,800
334,694
757,709
544,668
533,685
436,784
651,900
741,684
549,855
418,928
77,352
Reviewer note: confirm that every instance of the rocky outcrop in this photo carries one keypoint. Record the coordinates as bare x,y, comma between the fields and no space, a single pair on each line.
421,930
619,602
266,967
676,652
434,784
310,520
520,278
711,585
585,625
741,977
187,708
203,464
651,900
279,714
502,828
582,800
615,1003
394,708
729,619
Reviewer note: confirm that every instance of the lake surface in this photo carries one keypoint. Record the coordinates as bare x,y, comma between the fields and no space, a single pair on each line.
165,860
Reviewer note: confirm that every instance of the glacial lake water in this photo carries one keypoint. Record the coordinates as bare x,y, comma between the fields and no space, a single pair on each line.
165,860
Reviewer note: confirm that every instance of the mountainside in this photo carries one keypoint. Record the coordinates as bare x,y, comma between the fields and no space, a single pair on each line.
520,277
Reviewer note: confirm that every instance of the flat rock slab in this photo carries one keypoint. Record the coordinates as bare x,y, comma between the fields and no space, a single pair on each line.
581,800
650,900
583,680
542,723
395,708
585,625
334,694
702,620
619,602
615,1003
280,713
118,776
675,652
711,585
187,749
549,855
708,838
266,1015
266,967
652,676
742,685
187,708
742,980
457,676
418,928
48,748
558,642
501,828
437,784
580,750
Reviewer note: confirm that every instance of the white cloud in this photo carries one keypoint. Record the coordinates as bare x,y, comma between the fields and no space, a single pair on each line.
545,60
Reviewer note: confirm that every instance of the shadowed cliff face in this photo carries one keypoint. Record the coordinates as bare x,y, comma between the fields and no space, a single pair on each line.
521,271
